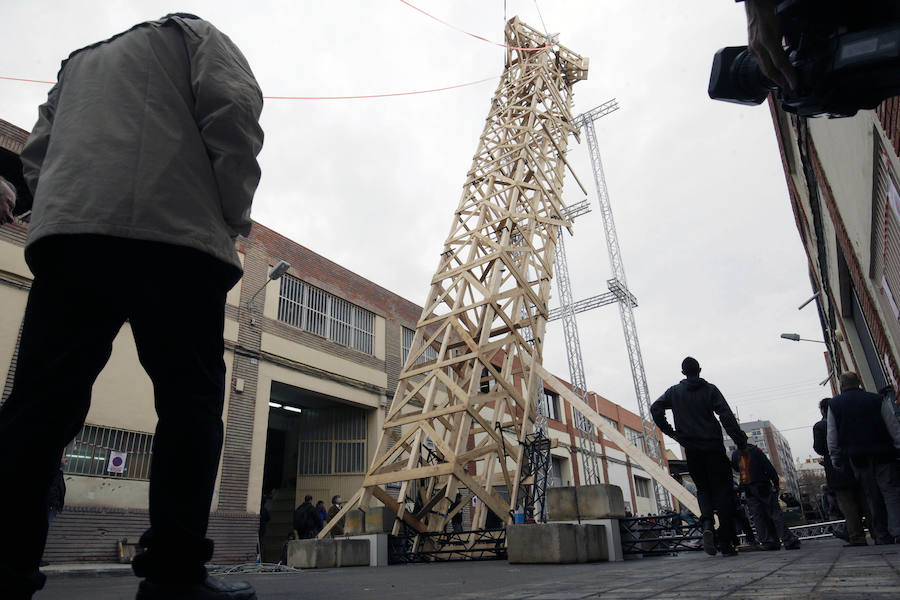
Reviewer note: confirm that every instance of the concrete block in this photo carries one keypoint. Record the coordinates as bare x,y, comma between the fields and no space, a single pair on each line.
312,553
609,539
380,519
378,548
595,542
601,501
355,522
352,553
541,543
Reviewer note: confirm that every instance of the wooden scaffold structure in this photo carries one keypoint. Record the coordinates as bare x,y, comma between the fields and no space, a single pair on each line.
467,395
458,421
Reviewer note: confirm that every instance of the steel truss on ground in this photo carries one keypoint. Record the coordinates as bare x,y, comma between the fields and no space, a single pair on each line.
481,544
667,534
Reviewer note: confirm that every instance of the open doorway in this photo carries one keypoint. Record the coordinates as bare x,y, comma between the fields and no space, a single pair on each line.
280,477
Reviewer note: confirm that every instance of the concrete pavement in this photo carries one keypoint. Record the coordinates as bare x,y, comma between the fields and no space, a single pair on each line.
821,569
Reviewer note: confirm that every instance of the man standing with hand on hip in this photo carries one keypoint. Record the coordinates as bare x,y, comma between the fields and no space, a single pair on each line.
143,167
694,403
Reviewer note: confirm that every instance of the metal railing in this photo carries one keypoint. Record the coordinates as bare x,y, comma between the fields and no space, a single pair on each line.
441,546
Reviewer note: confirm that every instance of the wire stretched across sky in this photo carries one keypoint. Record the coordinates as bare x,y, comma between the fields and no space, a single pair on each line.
367,96
477,37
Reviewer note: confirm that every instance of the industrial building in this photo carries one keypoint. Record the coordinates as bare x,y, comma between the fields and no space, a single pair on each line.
312,362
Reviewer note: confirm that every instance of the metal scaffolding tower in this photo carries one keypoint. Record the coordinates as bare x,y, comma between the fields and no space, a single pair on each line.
619,293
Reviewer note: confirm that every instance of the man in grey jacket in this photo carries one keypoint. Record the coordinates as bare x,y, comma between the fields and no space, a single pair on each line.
142,166
863,434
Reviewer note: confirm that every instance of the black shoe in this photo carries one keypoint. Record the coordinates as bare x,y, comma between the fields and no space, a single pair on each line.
208,589
851,544
772,546
795,545
728,550
709,542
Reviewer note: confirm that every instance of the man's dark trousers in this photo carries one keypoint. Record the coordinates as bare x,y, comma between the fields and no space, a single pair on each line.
711,472
84,289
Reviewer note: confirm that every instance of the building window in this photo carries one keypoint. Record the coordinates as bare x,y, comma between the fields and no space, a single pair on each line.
885,262
550,402
332,441
641,486
406,343
635,437
96,450
307,307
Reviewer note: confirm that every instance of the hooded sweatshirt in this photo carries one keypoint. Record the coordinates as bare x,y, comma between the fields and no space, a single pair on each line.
694,403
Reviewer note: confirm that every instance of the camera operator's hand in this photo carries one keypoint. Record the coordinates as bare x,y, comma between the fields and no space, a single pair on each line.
764,39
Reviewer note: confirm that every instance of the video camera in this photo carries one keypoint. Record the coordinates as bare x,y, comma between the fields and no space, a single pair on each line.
846,54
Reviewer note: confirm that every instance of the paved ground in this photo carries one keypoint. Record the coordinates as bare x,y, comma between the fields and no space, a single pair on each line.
821,569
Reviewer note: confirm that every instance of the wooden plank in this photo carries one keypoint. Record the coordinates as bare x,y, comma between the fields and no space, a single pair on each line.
392,504
409,474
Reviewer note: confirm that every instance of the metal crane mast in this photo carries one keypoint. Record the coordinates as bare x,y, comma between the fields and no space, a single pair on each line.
584,429
618,287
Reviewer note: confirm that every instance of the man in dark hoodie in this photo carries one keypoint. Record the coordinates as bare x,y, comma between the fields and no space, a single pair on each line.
694,404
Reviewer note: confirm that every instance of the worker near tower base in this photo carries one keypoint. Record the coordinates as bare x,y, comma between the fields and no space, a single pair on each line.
694,403
759,482
864,435
142,167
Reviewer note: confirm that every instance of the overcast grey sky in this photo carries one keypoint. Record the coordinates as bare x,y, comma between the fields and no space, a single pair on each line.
697,189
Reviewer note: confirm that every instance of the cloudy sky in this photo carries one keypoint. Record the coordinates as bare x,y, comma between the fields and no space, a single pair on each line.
697,189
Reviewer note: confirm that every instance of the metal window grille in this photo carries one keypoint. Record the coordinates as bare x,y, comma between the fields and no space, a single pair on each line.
308,307
89,452
406,344
332,441
635,437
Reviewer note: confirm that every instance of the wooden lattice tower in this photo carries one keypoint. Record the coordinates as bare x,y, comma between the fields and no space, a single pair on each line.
458,421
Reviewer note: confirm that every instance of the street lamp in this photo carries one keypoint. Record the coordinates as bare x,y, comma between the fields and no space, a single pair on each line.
277,271
796,338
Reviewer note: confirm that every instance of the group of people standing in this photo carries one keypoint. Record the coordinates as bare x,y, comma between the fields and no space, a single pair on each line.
309,520
859,441
859,438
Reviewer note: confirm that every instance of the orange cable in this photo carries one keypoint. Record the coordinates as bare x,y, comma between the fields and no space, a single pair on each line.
358,97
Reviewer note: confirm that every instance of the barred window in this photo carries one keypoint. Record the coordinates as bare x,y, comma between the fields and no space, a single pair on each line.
307,307
96,450
332,441
642,486
635,437
612,422
407,342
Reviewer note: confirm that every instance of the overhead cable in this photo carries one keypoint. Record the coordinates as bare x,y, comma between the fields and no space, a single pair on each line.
476,36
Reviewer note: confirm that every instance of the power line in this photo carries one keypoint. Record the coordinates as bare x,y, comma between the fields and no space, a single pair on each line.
544,25
474,35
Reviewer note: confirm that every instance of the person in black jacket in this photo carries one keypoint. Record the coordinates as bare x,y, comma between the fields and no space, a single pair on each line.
307,521
847,490
694,403
863,434
759,480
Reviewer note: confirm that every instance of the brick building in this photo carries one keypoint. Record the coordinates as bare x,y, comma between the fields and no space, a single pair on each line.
312,361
